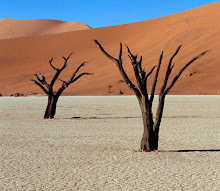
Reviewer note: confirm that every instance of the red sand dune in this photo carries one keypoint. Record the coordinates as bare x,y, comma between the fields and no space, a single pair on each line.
10,28
197,30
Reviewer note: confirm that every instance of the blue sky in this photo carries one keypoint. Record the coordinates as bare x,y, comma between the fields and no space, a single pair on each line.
95,13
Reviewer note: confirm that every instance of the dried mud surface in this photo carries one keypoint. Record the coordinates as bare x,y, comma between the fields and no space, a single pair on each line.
90,145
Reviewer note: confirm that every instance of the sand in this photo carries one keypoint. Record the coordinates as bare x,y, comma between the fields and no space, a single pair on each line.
197,30
96,151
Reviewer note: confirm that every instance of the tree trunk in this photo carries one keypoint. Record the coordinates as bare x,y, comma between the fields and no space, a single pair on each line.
51,107
148,141
158,119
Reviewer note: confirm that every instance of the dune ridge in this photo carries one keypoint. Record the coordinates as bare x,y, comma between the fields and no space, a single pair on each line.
10,28
196,29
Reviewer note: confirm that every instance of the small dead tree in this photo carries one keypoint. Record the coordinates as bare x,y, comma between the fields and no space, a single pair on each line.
48,88
109,88
121,92
150,137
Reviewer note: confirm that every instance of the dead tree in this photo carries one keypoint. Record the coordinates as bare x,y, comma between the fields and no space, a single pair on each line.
150,137
48,88
121,92
109,88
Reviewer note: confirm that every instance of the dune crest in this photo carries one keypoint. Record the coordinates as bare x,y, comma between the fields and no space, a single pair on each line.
10,28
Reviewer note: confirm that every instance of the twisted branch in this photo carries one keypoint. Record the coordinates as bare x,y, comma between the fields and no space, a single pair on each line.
120,67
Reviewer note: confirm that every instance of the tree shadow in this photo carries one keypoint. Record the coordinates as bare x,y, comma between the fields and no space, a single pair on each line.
113,117
129,117
191,150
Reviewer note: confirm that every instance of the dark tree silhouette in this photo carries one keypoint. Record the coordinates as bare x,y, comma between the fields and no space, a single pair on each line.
150,137
121,92
48,88
109,88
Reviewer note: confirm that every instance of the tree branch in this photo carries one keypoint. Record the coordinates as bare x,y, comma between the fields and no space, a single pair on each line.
66,84
145,79
42,80
169,71
141,71
120,52
155,78
134,57
50,62
104,52
181,71
137,70
58,73
42,87
81,65
65,63
66,59
79,76
121,69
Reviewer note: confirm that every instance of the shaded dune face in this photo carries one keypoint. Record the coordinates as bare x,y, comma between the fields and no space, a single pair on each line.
197,30
10,28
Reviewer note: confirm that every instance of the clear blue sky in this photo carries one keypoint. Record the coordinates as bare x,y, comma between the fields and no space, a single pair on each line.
95,13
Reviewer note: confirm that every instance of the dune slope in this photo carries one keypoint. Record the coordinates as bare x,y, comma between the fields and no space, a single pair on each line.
197,30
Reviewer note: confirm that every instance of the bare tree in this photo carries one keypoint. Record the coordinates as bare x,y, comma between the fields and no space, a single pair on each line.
150,137
121,92
109,88
48,88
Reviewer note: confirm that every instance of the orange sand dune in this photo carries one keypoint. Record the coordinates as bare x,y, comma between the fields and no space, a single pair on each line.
10,28
197,30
